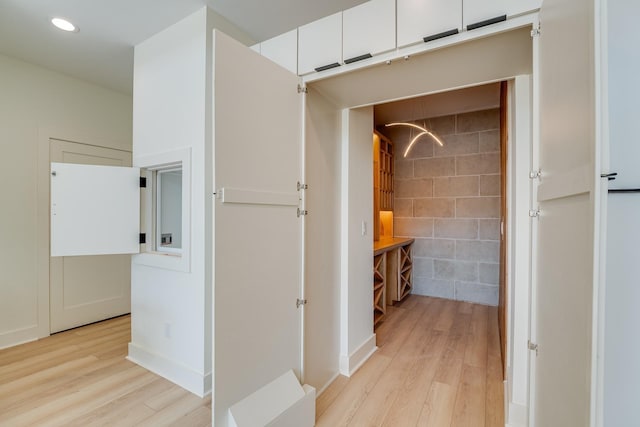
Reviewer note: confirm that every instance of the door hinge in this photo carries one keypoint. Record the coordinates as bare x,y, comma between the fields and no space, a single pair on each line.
302,186
142,239
143,182
534,213
532,347
535,174
302,89
300,302
302,212
536,31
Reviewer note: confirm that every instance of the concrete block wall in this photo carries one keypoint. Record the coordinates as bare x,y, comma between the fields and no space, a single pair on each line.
448,199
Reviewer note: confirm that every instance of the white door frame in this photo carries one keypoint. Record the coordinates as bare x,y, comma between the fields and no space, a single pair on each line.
45,135
520,413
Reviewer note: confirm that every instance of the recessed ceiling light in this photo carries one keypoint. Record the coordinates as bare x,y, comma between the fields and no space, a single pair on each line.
64,25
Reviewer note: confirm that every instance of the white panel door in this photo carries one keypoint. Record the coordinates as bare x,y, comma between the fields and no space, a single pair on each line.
86,289
567,198
368,29
283,50
257,236
320,44
430,19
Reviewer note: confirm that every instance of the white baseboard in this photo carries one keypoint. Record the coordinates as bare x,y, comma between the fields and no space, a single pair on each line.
179,374
351,363
327,384
517,415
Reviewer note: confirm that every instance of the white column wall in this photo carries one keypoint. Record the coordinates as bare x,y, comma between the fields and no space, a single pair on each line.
168,307
356,300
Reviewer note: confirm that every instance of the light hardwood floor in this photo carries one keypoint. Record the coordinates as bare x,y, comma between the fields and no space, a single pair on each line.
81,378
438,364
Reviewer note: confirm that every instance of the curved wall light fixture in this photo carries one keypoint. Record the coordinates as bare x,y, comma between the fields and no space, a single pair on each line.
423,131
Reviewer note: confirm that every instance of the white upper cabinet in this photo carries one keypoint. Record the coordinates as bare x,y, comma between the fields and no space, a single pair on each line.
369,29
283,50
320,44
426,20
479,12
522,6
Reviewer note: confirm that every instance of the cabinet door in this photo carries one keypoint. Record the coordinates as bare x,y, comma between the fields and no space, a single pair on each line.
479,12
420,19
522,6
257,238
369,29
567,195
95,210
320,44
283,50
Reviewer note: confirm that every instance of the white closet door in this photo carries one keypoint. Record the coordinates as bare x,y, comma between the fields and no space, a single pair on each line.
257,234
87,289
566,230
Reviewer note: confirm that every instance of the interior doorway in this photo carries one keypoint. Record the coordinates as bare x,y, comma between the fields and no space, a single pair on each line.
449,187
341,107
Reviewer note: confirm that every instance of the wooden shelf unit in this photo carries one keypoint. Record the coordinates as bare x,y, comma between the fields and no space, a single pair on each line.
382,179
379,288
392,273
386,174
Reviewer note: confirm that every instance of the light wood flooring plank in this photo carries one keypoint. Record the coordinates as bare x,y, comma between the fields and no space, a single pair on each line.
469,409
439,369
80,377
438,363
330,394
495,388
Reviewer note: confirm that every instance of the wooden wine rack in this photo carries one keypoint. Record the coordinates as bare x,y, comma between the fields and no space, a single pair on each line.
386,174
392,273
379,288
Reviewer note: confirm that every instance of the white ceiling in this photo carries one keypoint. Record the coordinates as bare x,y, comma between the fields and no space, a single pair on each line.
102,51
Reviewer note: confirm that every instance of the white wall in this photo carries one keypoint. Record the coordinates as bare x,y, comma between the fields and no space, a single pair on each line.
519,247
322,236
168,318
622,317
356,301
35,104
171,310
